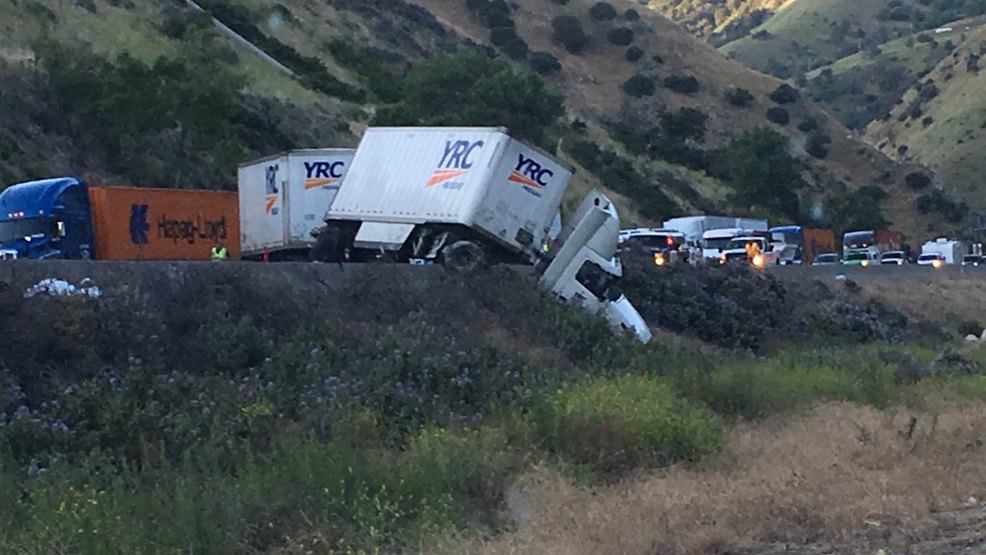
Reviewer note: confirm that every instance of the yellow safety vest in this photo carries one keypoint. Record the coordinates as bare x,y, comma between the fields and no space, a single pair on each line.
218,254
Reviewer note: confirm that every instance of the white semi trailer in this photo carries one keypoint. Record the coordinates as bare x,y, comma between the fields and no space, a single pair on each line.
463,197
283,199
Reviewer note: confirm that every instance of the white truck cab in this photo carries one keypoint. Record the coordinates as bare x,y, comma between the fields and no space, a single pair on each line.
585,270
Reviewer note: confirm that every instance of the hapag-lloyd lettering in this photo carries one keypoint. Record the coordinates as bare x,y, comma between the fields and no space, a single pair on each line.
188,230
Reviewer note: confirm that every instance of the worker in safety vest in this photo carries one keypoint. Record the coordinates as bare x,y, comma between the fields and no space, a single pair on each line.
219,251
752,249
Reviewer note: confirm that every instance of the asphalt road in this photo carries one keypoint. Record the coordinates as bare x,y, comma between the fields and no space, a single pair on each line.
909,272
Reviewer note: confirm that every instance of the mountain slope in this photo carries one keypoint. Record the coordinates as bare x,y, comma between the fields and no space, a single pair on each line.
942,121
363,44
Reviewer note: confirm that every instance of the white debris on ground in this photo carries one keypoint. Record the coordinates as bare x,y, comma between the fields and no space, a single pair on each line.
60,287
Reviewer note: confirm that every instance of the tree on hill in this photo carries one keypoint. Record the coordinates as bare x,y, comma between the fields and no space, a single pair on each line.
764,173
468,88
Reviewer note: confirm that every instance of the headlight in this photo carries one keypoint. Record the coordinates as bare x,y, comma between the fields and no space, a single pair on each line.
758,260
936,263
659,259
864,263
722,259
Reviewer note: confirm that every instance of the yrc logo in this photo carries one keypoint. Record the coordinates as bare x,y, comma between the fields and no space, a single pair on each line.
138,224
271,178
318,174
455,162
530,173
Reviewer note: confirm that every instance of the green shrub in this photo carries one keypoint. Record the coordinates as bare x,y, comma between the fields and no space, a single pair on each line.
808,125
917,180
684,84
778,115
602,11
633,54
785,94
544,62
567,31
615,424
759,388
620,36
631,15
817,145
739,97
516,48
639,85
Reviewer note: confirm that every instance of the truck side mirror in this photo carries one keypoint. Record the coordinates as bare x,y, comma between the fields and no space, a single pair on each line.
58,229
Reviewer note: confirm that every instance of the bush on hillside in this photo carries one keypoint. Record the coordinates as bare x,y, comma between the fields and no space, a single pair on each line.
633,54
917,180
631,15
778,115
639,85
817,145
684,84
613,425
738,97
515,48
567,31
729,305
470,89
621,176
764,173
620,36
785,94
602,11
808,125
543,62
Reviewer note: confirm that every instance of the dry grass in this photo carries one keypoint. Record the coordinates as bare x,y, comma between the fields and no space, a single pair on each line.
842,474
947,299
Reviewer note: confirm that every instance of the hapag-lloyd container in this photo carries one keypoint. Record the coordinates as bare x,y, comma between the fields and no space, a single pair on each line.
284,197
132,223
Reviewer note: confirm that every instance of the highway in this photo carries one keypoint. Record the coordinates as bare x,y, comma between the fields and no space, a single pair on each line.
907,272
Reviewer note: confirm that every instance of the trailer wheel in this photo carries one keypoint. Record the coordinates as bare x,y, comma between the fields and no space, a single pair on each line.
326,247
463,257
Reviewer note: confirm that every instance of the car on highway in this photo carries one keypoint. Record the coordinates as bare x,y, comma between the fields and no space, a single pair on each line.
932,259
858,258
891,258
972,260
826,259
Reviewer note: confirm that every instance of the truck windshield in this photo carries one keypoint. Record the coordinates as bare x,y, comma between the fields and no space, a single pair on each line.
735,244
858,256
858,239
653,242
13,230
717,242
599,282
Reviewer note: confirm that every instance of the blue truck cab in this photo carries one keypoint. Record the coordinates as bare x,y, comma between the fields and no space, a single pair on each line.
46,219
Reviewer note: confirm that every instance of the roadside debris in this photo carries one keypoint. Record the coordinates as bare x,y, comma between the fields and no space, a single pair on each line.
62,288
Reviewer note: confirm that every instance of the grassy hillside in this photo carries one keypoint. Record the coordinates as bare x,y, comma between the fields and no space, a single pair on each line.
717,21
805,35
941,121
648,107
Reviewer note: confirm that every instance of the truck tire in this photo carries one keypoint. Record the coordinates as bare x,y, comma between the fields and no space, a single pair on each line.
463,257
326,247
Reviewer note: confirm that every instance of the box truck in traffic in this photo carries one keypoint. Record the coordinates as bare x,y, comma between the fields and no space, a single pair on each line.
808,242
66,218
283,199
465,196
950,251
871,243
694,226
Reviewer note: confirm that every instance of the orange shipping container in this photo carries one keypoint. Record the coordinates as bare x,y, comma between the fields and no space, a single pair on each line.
816,242
131,223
